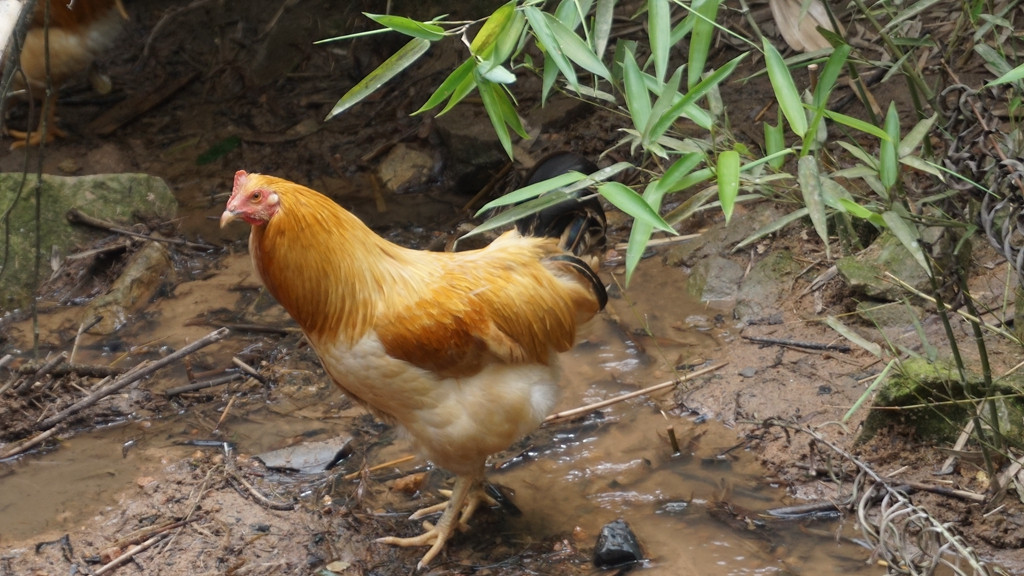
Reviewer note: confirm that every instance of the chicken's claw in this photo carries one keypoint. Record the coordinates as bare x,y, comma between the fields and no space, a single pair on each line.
465,499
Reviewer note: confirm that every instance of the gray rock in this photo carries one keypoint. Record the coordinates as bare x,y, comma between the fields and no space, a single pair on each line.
865,271
715,280
118,198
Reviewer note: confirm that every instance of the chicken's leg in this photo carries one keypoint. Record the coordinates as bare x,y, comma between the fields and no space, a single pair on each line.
466,498
35,137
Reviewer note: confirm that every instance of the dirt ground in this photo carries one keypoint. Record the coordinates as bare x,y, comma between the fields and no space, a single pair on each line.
244,89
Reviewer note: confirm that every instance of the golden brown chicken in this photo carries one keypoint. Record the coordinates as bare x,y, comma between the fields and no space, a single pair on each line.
78,31
461,348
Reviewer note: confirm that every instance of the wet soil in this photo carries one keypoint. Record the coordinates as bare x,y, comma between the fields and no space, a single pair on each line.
179,474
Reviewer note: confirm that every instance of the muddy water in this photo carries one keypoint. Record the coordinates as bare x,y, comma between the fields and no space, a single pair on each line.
695,512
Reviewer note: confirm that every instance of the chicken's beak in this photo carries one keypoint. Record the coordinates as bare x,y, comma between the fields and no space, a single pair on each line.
227,217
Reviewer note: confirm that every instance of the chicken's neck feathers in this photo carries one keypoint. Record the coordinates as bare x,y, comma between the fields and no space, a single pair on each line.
329,270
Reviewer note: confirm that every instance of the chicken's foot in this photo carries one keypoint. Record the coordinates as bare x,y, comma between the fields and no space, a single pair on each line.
465,499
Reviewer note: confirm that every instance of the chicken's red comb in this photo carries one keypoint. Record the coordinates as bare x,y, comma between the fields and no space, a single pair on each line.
239,179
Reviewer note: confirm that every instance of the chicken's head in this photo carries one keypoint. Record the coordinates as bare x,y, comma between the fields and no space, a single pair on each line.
252,200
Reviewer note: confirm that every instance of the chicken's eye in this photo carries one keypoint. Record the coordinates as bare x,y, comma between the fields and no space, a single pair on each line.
256,196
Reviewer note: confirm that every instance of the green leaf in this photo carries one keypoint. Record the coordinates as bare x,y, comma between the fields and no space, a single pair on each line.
496,73
509,39
829,74
390,68
870,390
907,235
576,49
888,161
659,22
810,178
533,190
851,335
672,178
494,99
856,124
638,101
604,15
703,14
539,24
659,123
624,198
447,88
772,227
463,89
775,143
506,217
409,27
916,136
728,171
484,41
1012,76
858,211
785,89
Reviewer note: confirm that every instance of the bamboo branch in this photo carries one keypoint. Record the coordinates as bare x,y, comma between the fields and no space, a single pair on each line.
133,375
645,391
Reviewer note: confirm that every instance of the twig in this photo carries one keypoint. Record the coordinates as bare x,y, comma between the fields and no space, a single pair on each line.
943,491
129,554
195,386
76,216
41,371
224,414
798,344
137,373
267,502
387,464
248,369
649,390
25,445
653,243
81,330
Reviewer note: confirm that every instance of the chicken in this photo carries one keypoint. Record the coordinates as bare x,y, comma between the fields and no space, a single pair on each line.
460,349
79,30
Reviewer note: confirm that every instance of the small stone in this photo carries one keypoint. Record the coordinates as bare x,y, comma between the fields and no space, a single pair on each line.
617,545
748,372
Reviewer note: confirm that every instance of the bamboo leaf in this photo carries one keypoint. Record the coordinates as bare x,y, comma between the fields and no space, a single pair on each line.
603,17
728,171
624,198
484,41
492,96
638,101
390,68
447,88
785,89
809,178
772,227
907,235
407,26
844,331
532,191
539,24
916,135
703,14
576,49
888,161
658,34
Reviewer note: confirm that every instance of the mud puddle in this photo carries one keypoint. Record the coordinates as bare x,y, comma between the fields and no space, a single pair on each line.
697,511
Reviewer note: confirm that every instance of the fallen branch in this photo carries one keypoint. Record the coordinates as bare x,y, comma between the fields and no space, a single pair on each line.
26,444
196,386
798,344
129,554
76,216
263,500
649,390
141,371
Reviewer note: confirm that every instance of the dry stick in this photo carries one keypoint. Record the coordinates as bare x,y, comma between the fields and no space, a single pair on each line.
137,373
260,497
628,395
24,445
797,344
661,241
78,217
193,387
128,555
248,369
387,464
41,371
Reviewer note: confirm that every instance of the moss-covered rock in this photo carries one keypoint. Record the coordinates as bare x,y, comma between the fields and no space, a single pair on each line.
930,399
119,198
865,272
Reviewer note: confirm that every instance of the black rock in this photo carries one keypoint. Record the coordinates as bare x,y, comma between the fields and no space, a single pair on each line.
617,546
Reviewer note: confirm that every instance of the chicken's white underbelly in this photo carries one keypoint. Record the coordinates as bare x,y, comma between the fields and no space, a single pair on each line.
457,422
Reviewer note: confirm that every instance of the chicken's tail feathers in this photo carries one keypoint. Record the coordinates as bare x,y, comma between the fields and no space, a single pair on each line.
584,269
579,221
